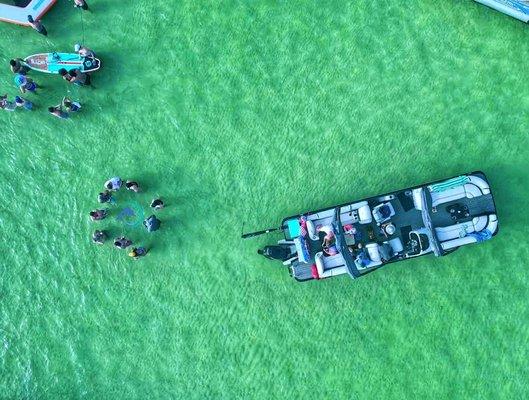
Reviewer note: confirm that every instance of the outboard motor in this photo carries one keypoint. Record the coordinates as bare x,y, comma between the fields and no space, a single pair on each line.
280,252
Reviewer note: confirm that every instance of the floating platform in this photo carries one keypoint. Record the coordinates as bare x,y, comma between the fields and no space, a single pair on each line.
19,15
518,9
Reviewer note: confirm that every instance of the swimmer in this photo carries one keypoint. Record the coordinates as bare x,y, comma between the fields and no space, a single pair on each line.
152,223
106,197
6,104
133,186
138,252
99,237
22,102
114,183
80,78
157,204
122,242
98,215
65,75
58,112
25,84
71,106
84,51
37,25
18,66
80,4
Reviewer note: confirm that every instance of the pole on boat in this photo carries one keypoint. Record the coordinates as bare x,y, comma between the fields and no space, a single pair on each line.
259,233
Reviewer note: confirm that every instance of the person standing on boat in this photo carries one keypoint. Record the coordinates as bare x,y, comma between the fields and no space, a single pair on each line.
80,4
37,25
18,66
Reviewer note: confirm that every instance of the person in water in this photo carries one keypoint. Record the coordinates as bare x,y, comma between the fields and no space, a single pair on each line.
122,242
152,223
18,66
58,112
98,215
132,186
25,84
157,204
80,78
71,106
106,197
114,183
138,252
80,4
99,237
22,102
6,104
65,75
84,51
37,25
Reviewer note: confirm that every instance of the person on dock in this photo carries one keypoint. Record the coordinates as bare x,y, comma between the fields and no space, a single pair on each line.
37,25
6,104
18,66
122,242
132,186
98,215
25,84
80,78
157,204
22,102
106,197
80,4
138,252
152,223
99,237
114,183
58,112
69,105
84,51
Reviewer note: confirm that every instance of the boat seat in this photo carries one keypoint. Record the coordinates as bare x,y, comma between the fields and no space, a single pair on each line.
477,187
492,226
460,230
362,213
396,245
311,230
329,266
383,212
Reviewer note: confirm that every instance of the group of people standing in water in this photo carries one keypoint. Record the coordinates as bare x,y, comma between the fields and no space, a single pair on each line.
151,224
27,85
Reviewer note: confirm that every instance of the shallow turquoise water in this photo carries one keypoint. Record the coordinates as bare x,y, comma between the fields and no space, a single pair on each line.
239,113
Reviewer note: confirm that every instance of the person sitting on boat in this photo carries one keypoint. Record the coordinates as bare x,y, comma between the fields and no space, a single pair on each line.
329,237
84,51
18,66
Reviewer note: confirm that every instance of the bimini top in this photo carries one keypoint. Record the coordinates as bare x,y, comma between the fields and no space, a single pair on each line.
19,15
